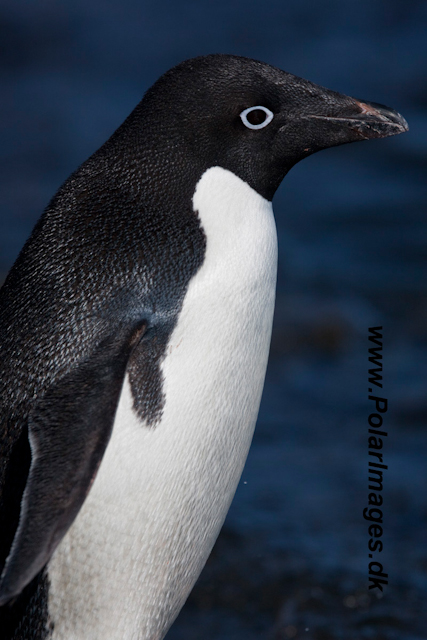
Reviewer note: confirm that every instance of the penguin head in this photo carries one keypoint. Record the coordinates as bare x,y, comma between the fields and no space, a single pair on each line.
253,119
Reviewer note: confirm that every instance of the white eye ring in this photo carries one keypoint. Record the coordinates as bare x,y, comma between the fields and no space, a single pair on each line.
244,116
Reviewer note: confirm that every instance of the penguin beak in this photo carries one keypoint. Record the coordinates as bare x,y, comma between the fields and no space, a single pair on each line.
369,120
328,119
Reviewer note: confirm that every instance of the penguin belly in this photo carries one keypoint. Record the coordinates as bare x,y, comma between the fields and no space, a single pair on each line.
128,562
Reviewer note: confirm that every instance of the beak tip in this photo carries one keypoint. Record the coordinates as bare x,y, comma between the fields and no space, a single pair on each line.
403,123
383,120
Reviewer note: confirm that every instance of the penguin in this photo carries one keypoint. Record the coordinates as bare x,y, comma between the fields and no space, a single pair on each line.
135,328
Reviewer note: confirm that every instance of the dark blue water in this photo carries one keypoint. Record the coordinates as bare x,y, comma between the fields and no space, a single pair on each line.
292,559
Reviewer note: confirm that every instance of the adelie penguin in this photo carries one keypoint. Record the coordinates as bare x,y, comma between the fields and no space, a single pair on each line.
135,328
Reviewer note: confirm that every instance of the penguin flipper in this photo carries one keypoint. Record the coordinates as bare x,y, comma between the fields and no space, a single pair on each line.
68,430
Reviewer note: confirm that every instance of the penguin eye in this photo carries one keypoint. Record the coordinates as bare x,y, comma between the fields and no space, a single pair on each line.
256,117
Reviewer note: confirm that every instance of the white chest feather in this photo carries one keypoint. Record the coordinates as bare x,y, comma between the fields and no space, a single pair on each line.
127,564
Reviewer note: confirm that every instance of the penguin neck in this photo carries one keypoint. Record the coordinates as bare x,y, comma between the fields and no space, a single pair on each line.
153,162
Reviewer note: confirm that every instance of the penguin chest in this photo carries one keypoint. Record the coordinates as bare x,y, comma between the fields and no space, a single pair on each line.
127,564
215,364
216,358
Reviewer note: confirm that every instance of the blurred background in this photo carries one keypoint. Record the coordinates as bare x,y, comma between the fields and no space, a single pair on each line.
292,560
